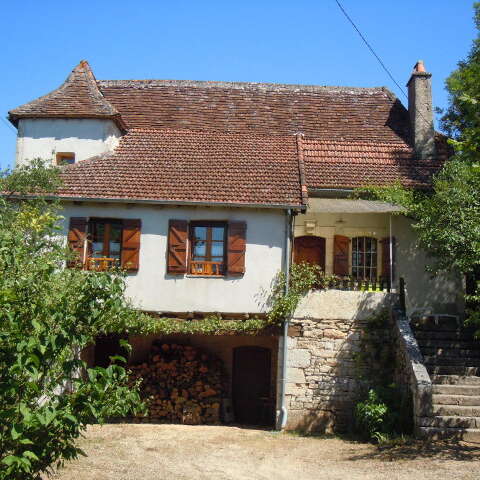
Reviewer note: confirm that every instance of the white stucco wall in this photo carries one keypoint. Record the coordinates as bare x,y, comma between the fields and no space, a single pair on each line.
152,289
44,137
424,291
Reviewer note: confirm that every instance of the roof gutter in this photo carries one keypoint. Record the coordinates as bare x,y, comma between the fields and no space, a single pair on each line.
146,201
301,170
331,192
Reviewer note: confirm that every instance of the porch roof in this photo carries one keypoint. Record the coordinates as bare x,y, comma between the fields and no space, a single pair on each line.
341,205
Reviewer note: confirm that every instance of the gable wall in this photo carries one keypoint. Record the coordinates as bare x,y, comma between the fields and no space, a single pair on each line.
152,289
44,137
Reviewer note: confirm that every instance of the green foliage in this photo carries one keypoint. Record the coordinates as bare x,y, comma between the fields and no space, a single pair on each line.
381,416
382,411
213,325
461,120
303,277
48,314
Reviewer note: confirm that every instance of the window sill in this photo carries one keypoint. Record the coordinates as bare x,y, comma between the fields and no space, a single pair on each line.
191,275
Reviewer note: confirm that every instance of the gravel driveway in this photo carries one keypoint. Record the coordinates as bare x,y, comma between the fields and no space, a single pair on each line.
144,452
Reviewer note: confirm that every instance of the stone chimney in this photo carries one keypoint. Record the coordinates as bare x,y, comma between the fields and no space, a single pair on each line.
420,111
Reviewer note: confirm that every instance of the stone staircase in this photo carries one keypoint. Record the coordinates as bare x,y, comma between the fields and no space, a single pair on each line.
452,358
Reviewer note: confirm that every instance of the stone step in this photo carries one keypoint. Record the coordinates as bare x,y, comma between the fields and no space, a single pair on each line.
449,422
449,336
461,380
455,411
464,400
448,389
465,434
453,344
451,361
452,370
443,324
450,352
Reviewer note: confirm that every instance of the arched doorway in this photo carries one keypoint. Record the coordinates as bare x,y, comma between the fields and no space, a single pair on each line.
309,249
251,386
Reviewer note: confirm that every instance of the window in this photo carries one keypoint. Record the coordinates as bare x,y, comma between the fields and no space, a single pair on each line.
65,158
102,243
207,248
364,258
105,243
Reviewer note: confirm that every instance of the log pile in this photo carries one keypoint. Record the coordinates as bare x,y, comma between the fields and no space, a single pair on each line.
180,384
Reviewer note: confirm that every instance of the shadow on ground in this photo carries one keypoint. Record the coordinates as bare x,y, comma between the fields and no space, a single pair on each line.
417,449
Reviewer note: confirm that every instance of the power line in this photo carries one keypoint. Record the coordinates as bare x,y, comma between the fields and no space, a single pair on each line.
371,49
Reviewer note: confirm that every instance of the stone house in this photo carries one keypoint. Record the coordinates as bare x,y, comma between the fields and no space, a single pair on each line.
204,191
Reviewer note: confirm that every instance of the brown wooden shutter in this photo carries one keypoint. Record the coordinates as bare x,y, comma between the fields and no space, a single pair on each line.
236,248
386,258
177,247
340,255
77,235
131,244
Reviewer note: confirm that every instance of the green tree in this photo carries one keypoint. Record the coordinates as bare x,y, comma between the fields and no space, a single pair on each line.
461,120
48,314
447,219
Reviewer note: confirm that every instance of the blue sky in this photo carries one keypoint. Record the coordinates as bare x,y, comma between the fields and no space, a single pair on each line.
307,42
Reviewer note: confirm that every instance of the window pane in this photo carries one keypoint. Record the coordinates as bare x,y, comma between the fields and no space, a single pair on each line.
200,233
364,258
218,233
199,250
217,249
97,249
116,233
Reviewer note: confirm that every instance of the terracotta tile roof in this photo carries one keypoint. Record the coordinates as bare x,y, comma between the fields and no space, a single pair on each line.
188,166
324,113
356,164
77,97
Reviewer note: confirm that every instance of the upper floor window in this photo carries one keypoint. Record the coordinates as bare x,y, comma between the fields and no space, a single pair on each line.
364,258
65,158
106,242
103,243
207,248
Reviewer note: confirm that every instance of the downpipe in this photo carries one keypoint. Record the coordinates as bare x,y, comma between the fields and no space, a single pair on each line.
283,413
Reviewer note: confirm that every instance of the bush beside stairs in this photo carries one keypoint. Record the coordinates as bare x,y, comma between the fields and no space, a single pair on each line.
452,358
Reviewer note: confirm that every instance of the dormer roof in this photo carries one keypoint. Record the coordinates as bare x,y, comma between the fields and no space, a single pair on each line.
78,97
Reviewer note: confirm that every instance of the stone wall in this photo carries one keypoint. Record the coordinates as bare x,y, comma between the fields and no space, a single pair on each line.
322,375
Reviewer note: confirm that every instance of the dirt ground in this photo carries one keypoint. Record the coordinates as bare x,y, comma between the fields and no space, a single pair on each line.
144,452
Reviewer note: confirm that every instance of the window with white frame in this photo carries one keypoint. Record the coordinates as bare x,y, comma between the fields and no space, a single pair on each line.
364,258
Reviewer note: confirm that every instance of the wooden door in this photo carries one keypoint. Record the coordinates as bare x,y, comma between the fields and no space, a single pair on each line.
251,386
309,249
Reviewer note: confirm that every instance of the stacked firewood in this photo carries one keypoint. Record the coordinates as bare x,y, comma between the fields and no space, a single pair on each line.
180,384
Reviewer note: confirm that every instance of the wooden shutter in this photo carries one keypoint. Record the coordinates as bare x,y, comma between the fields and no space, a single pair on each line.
77,236
340,255
177,247
386,258
236,248
131,244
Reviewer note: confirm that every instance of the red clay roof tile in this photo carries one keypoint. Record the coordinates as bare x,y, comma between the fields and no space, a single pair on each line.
187,166
77,97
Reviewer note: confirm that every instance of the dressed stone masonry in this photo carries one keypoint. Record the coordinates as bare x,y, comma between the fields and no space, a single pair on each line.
322,378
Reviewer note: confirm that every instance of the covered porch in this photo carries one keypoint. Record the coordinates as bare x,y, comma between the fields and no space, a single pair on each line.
352,241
